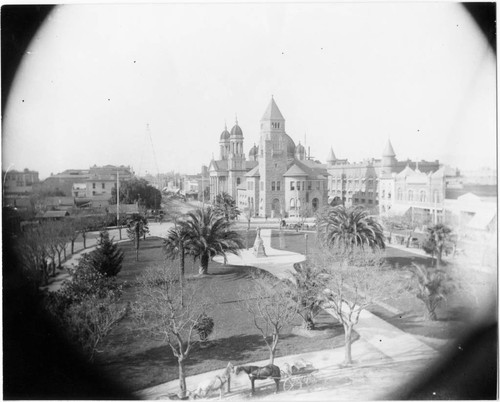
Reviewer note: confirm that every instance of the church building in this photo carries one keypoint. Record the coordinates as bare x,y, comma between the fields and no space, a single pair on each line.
277,180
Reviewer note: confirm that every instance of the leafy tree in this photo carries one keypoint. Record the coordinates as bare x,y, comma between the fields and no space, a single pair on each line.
204,327
272,310
137,227
347,228
211,235
160,313
225,205
437,237
138,190
305,286
107,258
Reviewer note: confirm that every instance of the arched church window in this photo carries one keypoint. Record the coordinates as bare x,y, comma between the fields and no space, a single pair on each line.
410,195
423,196
292,203
238,181
399,195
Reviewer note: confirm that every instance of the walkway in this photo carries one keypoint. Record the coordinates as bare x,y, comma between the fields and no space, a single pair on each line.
384,356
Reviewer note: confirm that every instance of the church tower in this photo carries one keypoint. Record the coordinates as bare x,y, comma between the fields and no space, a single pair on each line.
388,159
274,150
235,159
224,144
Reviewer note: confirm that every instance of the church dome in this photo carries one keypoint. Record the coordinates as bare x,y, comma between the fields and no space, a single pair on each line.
290,145
300,149
236,131
253,151
224,135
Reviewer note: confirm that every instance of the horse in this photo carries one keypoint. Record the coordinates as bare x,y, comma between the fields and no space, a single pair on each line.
216,383
261,373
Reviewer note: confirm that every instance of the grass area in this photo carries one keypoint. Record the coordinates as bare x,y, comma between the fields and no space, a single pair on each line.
453,316
140,362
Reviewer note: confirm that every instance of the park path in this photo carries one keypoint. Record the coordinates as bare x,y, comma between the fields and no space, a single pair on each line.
384,356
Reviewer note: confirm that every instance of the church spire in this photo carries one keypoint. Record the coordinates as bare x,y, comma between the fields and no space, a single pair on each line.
272,112
388,150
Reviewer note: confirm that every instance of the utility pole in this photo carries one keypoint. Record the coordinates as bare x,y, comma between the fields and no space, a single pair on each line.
118,203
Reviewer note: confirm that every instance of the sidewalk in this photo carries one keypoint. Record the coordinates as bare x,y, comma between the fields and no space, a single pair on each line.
384,356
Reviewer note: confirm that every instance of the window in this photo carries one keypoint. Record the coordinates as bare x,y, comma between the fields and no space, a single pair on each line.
93,185
363,200
103,186
436,196
292,185
250,185
93,192
76,193
399,195
298,204
292,203
273,186
309,184
278,185
238,181
423,196
410,195
389,195
298,185
370,201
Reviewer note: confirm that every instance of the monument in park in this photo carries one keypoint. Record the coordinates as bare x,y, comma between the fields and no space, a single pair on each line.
258,246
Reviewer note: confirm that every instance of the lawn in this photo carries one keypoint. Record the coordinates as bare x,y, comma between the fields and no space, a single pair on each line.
453,316
139,362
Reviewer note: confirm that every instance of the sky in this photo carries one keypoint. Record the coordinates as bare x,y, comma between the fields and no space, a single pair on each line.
345,75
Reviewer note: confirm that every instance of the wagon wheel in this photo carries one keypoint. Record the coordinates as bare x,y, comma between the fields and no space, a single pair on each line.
288,384
311,379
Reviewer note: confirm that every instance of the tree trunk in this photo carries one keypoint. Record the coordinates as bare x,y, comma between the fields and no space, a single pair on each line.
64,251
204,264
84,235
137,240
181,274
182,379
72,246
348,333
272,351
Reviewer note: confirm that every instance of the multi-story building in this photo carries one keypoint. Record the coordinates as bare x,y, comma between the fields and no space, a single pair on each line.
101,181
19,182
277,180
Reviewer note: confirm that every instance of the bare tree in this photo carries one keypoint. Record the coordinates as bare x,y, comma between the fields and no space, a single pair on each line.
272,309
352,281
248,214
160,313
32,248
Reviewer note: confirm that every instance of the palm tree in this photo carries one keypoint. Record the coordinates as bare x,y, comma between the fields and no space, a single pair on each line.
137,227
347,228
432,287
436,241
305,286
210,236
225,205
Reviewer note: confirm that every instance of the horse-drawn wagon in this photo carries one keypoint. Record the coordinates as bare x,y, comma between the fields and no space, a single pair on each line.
298,375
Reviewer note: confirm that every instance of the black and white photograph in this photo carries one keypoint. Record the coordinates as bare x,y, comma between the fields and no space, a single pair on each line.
281,201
